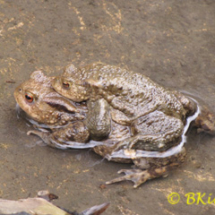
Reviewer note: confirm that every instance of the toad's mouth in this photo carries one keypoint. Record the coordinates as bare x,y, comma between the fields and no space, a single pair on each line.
22,114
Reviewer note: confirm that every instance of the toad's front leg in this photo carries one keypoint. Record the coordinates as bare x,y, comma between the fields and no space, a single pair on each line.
74,135
98,119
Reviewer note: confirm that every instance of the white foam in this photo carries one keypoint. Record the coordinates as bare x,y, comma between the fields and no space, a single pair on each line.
76,145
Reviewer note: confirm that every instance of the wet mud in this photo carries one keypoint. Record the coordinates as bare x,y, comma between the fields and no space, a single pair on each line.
172,42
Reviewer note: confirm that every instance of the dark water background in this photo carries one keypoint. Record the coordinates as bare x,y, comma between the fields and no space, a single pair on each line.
172,42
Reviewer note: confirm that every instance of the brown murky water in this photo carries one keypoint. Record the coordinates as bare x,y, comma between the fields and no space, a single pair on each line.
173,42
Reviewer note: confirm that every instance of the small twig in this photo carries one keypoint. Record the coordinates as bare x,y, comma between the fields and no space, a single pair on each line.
10,82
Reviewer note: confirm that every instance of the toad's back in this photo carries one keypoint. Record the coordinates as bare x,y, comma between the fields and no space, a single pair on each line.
132,93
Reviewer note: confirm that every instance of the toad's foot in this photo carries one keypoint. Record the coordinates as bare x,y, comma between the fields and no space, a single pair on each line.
139,176
44,135
49,139
60,142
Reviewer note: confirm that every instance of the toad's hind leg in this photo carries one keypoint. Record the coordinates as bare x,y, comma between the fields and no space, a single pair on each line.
155,132
158,142
158,167
138,176
205,122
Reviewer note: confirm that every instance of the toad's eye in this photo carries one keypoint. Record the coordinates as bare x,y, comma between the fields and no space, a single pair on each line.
29,97
66,85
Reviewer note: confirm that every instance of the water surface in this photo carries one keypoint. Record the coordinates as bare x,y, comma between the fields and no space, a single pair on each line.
172,42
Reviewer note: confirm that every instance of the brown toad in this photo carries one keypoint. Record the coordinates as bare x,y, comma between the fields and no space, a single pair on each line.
117,145
62,123
156,116
37,98
53,114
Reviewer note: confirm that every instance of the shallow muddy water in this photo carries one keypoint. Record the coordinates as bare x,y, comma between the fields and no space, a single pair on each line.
172,42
